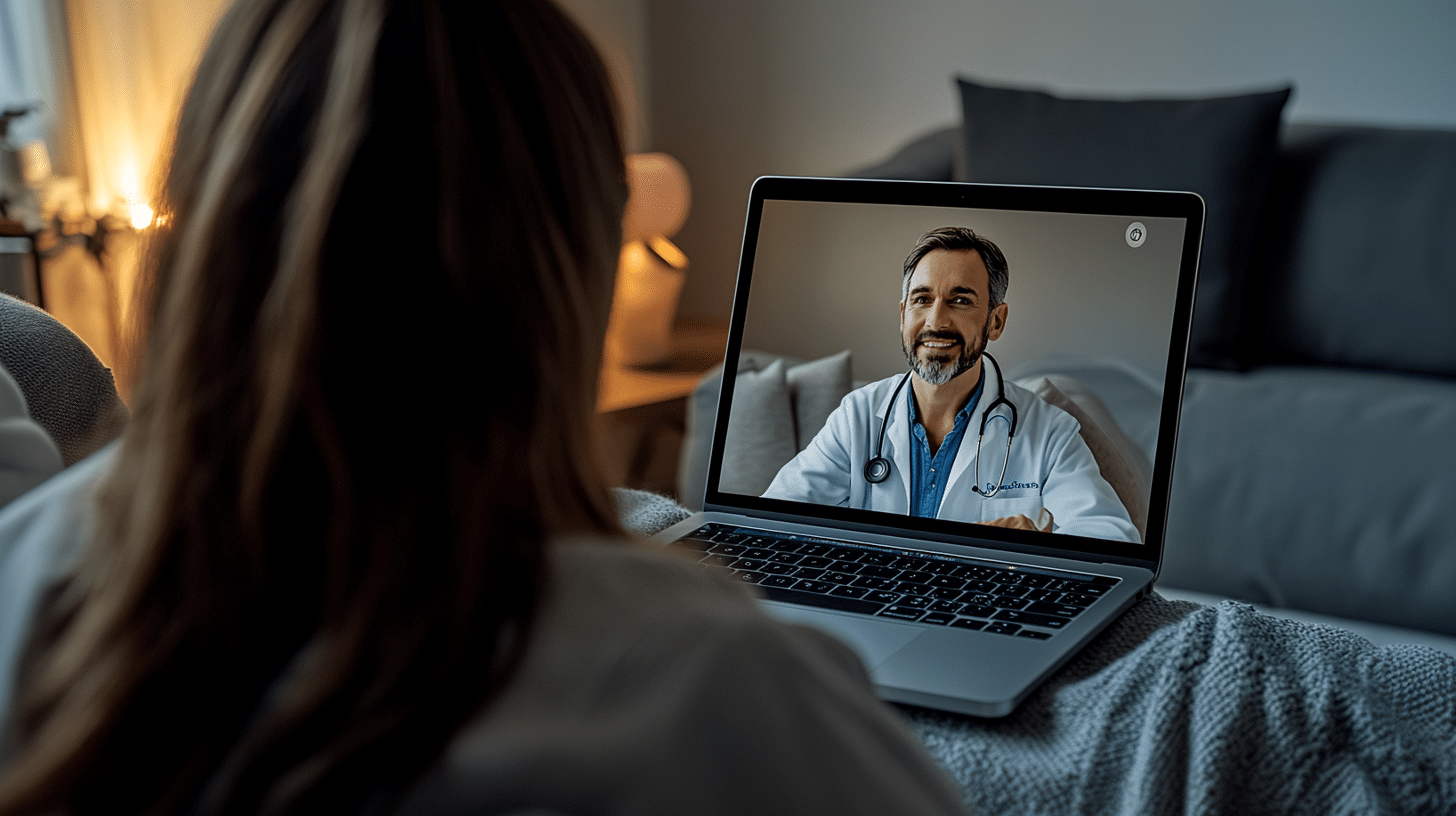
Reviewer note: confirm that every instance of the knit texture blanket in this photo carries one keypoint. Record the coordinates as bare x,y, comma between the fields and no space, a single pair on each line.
1185,709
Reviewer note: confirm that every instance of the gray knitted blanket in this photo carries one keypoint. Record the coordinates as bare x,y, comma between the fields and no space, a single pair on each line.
1189,709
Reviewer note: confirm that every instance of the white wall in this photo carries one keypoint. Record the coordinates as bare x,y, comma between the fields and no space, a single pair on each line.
819,87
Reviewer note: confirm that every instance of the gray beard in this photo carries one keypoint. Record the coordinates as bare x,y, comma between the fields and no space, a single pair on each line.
940,372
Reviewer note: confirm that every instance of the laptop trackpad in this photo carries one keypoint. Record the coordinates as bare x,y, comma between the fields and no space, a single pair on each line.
873,640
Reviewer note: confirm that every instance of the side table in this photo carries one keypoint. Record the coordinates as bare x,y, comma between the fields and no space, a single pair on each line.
642,412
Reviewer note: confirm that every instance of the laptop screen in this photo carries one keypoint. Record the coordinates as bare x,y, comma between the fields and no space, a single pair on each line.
907,356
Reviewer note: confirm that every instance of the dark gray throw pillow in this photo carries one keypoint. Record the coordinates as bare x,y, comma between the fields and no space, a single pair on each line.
1222,148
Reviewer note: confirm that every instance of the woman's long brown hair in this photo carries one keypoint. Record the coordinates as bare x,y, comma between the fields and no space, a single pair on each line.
375,322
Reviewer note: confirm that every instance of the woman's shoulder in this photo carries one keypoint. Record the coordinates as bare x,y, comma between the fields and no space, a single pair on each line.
654,686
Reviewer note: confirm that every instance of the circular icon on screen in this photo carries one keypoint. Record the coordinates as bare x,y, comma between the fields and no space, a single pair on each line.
1136,234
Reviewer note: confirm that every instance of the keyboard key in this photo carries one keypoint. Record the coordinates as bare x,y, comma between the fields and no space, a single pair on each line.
967,623
985,587
778,569
814,550
1013,590
844,566
842,604
880,596
901,613
803,572
1077,599
907,563
977,611
748,577
878,559
944,594
713,560
1033,634
916,577
837,578
779,581
758,552
948,582
786,558
912,589
940,567
914,602
1032,619
879,572
1062,610
946,606
938,618
1002,628
786,545
1003,602
815,561
821,587
694,543
873,583
849,591
751,564
1042,595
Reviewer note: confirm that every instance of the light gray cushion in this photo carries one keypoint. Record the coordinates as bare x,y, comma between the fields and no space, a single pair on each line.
781,410
1323,490
760,431
1358,265
816,389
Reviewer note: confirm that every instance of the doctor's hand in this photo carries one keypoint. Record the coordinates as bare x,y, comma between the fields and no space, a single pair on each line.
1043,522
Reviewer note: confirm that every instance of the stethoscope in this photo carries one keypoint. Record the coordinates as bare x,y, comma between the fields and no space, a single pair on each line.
877,469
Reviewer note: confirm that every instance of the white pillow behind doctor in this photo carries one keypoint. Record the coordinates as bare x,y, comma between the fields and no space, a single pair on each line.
777,410
1121,462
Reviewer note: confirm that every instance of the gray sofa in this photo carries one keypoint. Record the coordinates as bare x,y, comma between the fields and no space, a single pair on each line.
1316,467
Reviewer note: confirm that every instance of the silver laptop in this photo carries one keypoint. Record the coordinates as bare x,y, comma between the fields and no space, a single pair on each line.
955,522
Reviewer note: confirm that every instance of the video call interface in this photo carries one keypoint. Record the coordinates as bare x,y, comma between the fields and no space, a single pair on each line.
846,381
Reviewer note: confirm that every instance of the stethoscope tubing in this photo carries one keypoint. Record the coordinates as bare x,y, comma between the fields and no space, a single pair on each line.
877,469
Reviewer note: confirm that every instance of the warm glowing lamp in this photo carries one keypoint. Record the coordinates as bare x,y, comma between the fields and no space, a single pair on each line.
651,268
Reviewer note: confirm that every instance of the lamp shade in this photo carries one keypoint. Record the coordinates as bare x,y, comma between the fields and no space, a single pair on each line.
660,197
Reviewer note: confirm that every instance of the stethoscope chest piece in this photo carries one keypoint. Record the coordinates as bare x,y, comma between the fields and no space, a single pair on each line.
877,470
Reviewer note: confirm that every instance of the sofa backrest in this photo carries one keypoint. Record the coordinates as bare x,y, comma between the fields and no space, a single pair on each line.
1356,263
1355,257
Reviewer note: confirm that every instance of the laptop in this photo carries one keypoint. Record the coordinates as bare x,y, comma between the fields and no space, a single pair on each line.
967,597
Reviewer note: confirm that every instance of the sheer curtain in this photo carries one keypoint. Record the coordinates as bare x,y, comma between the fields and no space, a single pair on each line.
108,76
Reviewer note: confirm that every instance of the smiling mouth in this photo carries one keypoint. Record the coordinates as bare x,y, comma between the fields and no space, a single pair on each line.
937,344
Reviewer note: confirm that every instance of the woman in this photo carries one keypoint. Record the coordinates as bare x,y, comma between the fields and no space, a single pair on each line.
325,572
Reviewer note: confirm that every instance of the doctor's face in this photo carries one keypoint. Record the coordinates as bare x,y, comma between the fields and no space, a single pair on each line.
946,319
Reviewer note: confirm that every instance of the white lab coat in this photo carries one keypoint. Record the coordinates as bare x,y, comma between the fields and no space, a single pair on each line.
1050,466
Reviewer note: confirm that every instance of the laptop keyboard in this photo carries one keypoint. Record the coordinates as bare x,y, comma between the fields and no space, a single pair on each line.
942,590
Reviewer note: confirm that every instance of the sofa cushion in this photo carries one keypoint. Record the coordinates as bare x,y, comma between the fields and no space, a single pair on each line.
1316,489
1357,267
816,389
760,430
1222,148
779,404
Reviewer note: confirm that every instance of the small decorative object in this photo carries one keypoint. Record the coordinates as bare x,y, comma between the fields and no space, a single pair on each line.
651,270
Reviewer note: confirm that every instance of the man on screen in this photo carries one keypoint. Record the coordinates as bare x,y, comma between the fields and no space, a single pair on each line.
945,446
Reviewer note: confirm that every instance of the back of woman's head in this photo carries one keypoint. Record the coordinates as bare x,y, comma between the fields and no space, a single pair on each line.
375,321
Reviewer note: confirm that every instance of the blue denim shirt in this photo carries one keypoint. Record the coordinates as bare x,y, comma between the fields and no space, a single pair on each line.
928,473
